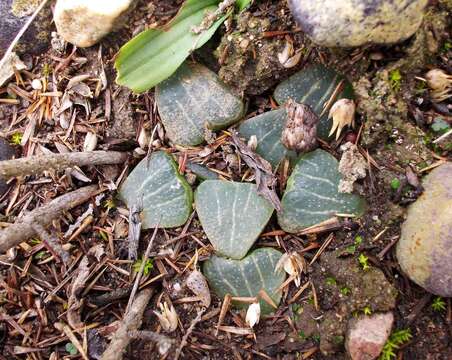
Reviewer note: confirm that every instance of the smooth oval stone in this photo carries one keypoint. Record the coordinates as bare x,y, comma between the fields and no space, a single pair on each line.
267,128
156,187
246,277
314,86
6,152
85,22
348,23
424,250
312,195
193,99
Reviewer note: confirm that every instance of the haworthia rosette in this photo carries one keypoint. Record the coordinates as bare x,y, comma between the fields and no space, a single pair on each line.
194,99
232,215
267,128
156,187
314,86
246,277
312,196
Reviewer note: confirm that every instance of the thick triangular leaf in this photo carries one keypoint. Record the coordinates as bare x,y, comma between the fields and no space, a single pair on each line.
246,277
267,128
232,215
193,99
156,187
155,54
312,195
314,86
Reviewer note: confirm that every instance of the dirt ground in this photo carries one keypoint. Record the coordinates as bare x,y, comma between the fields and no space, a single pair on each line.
394,130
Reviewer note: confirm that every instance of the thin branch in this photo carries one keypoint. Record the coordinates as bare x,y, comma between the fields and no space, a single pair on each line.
131,322
184,340
39,163
23,228
52,243
143,264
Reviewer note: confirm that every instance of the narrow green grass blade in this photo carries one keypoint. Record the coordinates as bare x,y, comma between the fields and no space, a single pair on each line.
155,54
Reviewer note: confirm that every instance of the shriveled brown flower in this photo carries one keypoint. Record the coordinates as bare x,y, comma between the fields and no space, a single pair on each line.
301,128
440,83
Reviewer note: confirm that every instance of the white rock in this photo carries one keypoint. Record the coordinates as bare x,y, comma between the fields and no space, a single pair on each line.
84,22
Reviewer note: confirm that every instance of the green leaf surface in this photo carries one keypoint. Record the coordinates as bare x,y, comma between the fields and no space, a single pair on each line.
159,190
311,194
246,277
232,215
314,86
202,172
267,128
195,98
243,4
155,54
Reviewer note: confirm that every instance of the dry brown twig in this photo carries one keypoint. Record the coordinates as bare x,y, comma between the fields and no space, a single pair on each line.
265,179
184,340
74,303
24,228
143,264
132,321
40,163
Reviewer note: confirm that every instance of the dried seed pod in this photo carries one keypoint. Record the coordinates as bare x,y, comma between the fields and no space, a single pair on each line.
253,314
252,142
440,83
342,113
143,138
90,141
288,57
301,128
167,316
294,264
197,283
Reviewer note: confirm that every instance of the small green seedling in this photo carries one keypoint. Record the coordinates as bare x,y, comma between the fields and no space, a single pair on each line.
16,138
109,204
148,266
364,261
396,339
367,310
438,304
345,291
330,281
395,79
71,349
352,248
395,184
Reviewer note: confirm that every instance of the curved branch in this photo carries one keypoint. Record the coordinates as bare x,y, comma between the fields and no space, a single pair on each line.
23,228
36,164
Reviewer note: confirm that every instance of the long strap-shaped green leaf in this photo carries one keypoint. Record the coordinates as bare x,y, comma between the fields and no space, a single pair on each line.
155,54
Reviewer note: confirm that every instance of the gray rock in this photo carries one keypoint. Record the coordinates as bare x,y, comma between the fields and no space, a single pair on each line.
424,250
14,14
348,23
367,335
6,152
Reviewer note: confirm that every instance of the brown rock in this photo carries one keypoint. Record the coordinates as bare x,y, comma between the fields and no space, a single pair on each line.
367,335
424,250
